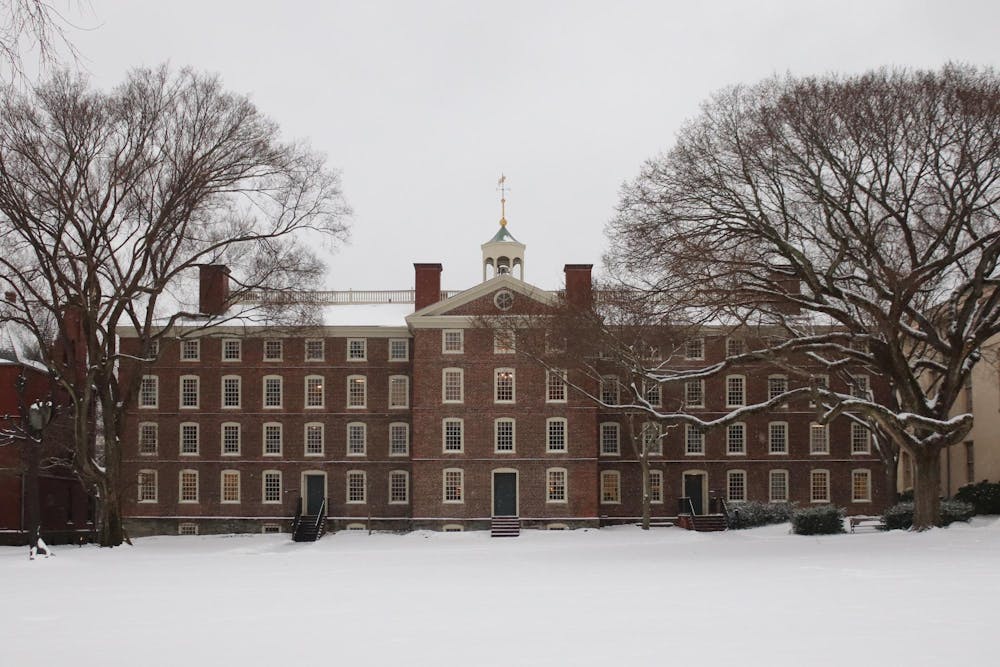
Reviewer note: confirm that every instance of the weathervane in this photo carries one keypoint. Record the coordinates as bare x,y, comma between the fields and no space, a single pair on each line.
502,187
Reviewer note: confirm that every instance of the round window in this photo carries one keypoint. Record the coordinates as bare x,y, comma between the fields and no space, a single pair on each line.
503,300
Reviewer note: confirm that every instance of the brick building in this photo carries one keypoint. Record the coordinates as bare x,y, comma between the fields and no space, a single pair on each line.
401,411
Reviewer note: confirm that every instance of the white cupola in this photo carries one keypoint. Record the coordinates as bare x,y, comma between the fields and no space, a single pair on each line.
503,254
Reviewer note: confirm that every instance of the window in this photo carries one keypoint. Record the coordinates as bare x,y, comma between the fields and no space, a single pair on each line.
736,485
452,341
232,349
861,439
610,439
503,300
694,394
861,486
231,391
188,486
821,382
734,347
819,486
355,526
399,391
555,386
819,439
556,485
187,529
503,386
454,481
611,485
503,341
154,349
357,349
694,348
609,389
273,350
452,528
399,439
453,440
776,386
272,391
452,385
315,349
230,486
231,439
656,486
399,349
503,434
399,487
270,528
189,391
148,489
357,439
271,486
189,439
652,438
860,387
272,439
314,391
315,440
736,394
694,440
149,391
149,438
651,392
777,438
736,438
778,485
357,391
555,428
970,462
190,350
356,483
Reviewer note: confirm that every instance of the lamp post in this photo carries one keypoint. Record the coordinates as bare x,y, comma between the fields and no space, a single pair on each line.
34,419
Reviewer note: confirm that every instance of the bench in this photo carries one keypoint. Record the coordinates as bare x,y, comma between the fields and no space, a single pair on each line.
875,522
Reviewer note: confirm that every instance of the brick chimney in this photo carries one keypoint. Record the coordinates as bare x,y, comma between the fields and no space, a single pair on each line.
579,290
213,288
10,297
789,284
428,285
69,350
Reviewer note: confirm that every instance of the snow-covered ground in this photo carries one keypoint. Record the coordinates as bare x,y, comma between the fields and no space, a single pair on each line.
610,597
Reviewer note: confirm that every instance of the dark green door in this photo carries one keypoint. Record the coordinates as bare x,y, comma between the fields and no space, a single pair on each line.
504,494
314,493
694,489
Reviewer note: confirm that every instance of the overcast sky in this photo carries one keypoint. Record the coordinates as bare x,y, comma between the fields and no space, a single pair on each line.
421,105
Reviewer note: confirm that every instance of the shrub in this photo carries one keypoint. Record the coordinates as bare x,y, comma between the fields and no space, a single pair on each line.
900,516
984,496
819,520
753,514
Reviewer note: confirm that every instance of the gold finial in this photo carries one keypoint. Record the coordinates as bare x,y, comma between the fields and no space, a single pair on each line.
502,183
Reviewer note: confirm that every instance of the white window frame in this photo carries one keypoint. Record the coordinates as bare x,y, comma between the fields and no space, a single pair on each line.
181,428
694,348
868,485
222,487
496,435
819,445
742,451
504,341
222,439
187,529
736,387
821,380
348,489
180,487
281,350
405,347
149,384
549,422
866,439
735,346
239,392
617,428
656,487
700,384
195,345
152,481
461,486
364,393
731,476
308,354
223,351
812,485
447,373
264,394
363,430
312,427
689,430
771,440
155,430
457,343
771,476
652,393
864,392
263,487
606,476
309,398
405,476
405,427
771,394
549,500
497,373
405,380
281,438
181,392
349,353
444,435
555,385
610,389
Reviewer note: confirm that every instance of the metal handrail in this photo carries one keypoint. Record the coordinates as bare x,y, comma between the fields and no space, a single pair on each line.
298,517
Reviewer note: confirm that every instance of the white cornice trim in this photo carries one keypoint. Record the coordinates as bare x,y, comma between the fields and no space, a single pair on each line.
482,289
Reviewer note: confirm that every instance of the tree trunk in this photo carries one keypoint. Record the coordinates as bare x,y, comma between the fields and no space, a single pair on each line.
927,489
892,482
112,532
32,502
646,502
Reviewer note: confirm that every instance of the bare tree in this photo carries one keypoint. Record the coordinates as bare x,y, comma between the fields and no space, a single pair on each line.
32,25
865,205
107,203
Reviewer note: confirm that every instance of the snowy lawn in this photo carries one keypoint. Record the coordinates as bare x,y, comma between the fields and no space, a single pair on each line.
611,597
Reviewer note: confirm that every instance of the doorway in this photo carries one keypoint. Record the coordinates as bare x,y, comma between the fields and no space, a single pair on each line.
505,493
315,485
694,488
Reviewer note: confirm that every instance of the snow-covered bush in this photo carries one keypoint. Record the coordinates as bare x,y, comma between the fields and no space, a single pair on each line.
900,516
984,496
819,520
753,514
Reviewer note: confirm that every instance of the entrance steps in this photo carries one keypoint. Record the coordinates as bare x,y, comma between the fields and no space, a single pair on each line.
703,523
308,529
505,526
